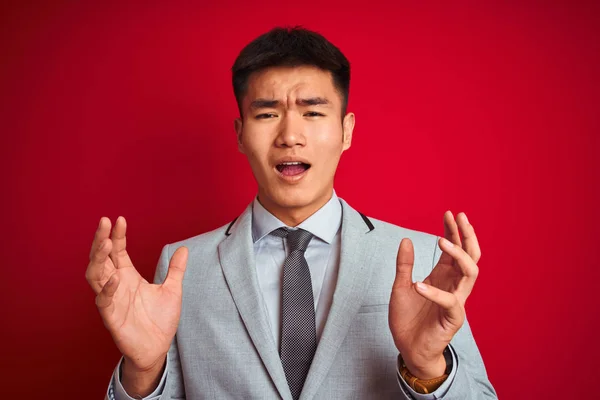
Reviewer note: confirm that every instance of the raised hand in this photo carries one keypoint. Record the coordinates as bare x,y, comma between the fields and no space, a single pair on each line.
141,317
425,316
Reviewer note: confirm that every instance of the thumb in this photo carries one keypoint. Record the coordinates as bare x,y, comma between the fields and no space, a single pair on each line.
177,267
404,264
104,299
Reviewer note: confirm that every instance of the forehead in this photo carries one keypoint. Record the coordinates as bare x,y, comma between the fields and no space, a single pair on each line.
279,83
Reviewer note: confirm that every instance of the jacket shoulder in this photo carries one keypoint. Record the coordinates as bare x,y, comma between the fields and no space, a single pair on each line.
200,247
425,245
210,239
396,231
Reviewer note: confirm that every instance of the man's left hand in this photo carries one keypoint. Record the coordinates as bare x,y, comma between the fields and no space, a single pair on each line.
425,316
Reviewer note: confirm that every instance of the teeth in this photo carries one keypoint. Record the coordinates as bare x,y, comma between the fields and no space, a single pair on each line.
292,163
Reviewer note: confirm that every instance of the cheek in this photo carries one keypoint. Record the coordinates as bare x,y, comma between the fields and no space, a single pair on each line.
328,142
257,159
257,145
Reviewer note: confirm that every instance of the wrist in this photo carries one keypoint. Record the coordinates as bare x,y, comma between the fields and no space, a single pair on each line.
141,381
426,369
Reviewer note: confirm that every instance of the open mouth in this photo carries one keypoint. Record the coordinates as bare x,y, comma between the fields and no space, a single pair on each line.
292,168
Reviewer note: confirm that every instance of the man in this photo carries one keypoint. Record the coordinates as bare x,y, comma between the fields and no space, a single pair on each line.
298,297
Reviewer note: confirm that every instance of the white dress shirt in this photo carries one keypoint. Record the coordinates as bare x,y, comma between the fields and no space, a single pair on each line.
323,258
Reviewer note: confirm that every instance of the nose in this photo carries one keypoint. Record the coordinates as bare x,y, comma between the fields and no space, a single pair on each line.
291,131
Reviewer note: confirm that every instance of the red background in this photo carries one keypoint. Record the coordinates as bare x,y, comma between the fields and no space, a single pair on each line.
126,109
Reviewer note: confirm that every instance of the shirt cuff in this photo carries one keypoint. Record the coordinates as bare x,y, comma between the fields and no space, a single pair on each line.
116,391
440,392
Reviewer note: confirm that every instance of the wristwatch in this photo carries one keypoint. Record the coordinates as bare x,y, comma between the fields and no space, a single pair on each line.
425,386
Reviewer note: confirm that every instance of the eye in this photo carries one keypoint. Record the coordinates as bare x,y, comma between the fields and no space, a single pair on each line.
266,116
313,114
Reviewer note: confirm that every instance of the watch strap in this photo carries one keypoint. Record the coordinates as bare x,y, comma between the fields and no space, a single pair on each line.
426,386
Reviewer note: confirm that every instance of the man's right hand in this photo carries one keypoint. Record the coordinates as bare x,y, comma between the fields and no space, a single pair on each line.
141,317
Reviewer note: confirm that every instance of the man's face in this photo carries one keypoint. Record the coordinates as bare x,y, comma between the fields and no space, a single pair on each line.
293,135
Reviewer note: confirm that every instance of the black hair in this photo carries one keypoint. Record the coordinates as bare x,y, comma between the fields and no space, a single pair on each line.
291,46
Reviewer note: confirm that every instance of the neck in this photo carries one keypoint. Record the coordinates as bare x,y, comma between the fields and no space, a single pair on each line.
294,216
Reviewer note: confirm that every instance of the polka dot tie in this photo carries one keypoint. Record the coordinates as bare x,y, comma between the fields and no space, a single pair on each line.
298,332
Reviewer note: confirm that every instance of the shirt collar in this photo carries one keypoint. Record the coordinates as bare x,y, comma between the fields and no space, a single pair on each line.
324,223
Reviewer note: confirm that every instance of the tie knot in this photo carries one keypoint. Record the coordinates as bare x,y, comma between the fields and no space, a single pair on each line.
297,240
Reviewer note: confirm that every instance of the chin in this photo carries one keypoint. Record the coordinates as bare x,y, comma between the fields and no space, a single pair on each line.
294,197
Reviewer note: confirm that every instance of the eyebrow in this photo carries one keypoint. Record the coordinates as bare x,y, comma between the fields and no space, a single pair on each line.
311,101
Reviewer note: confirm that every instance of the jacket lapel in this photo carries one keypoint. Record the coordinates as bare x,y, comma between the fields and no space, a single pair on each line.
356,253
236,255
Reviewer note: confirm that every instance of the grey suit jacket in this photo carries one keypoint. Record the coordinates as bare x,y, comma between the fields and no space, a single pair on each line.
224,348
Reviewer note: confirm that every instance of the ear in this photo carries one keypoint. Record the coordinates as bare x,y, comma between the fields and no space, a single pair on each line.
239,127
348,128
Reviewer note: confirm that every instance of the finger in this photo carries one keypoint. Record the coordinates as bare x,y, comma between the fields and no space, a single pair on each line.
404,263
101,234
467,266
451,233
100,267
463,260
104,300
448,301
119,255
470,242
451,228
176,271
